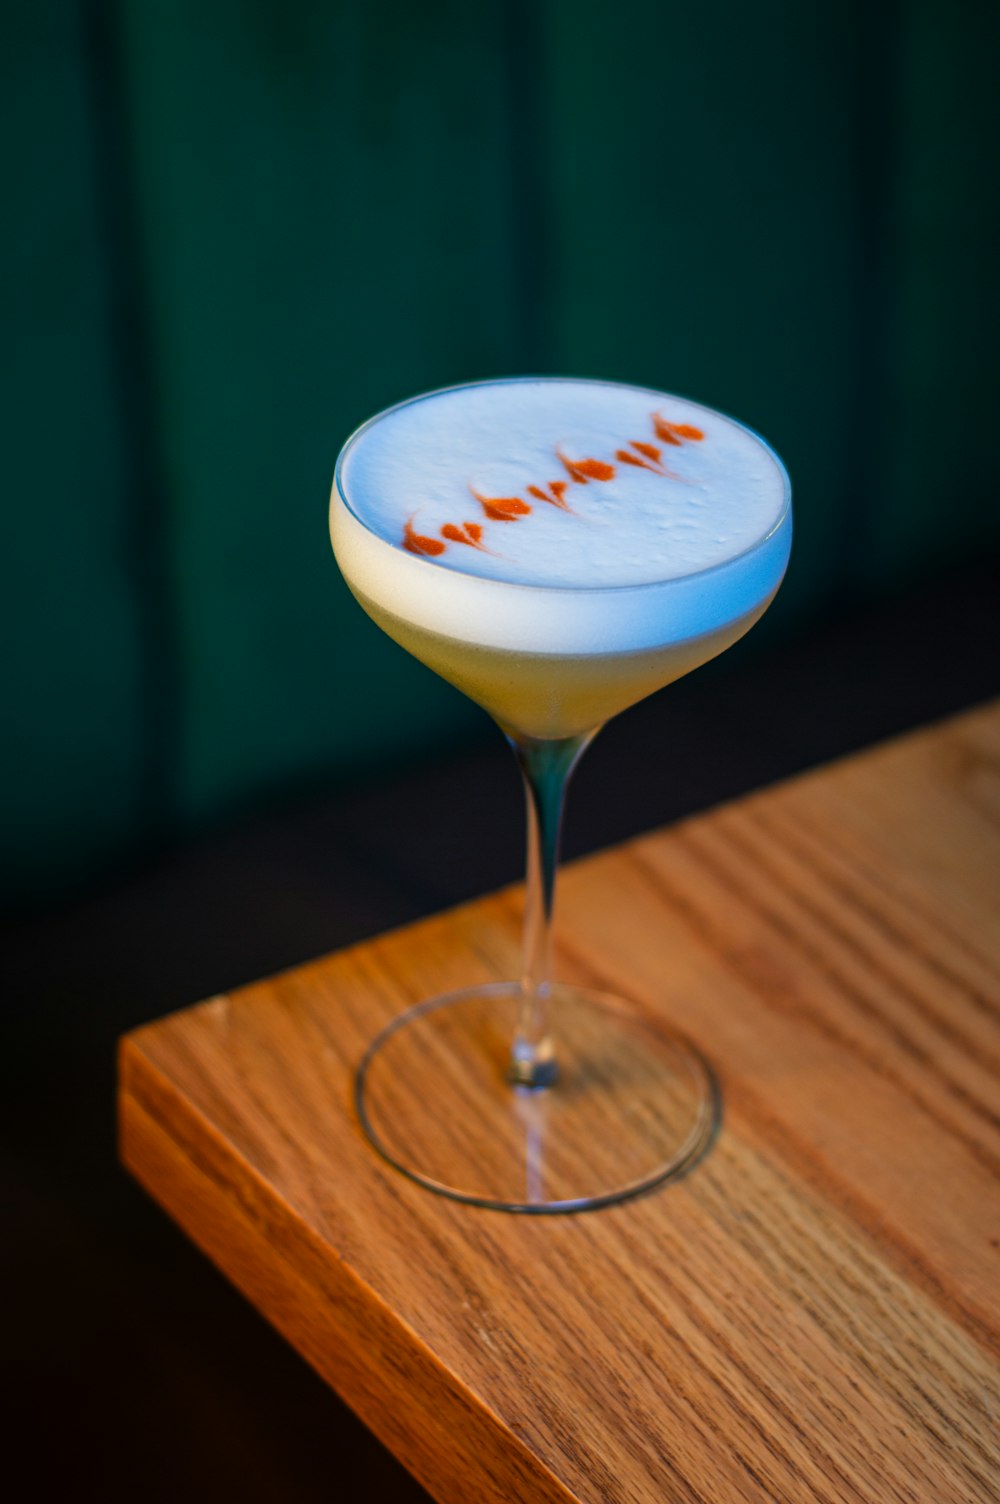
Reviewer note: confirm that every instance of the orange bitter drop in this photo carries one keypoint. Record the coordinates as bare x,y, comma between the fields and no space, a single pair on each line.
469,532
675,433
501,508
554,493
416,543
583,470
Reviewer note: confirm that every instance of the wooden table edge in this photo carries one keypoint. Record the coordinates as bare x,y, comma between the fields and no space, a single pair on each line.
396,1385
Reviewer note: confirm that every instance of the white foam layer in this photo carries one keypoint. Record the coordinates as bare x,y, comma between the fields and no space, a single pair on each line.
641,559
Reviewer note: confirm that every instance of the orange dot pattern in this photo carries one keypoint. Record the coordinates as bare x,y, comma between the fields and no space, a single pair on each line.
638,453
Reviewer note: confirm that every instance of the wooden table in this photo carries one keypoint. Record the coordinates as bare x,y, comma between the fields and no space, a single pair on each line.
811,1315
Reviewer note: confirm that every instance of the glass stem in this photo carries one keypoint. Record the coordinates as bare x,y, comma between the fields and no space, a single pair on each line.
545,767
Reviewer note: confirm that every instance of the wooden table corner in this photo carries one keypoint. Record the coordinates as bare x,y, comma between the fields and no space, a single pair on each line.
810,1315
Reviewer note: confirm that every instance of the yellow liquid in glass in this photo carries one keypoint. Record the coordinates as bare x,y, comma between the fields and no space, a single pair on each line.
554,695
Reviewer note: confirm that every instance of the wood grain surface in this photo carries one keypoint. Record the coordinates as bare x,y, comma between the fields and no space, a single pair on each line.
811,1315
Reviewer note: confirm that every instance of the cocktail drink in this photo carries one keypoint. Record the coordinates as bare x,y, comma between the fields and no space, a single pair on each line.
558,549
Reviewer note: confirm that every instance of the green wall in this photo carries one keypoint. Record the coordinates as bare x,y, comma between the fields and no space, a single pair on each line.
72,753
240,228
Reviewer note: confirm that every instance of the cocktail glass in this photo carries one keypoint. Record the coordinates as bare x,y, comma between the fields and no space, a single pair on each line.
537,1096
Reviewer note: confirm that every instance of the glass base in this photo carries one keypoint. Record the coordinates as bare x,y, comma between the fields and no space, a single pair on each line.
632,1106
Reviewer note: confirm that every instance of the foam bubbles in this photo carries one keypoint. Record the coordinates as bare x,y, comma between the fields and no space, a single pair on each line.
684,551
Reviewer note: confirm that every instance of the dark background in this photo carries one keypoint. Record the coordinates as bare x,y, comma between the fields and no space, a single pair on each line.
236,229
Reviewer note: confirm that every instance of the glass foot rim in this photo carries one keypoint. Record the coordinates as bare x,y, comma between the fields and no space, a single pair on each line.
693,1149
